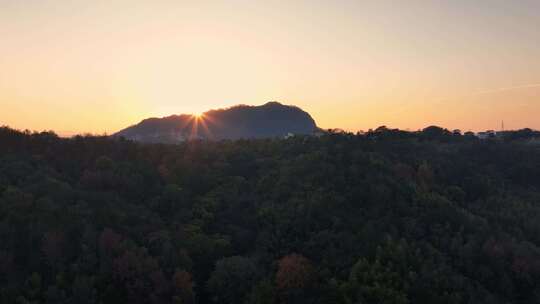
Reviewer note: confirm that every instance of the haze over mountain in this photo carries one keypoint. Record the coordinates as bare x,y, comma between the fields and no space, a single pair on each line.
272,119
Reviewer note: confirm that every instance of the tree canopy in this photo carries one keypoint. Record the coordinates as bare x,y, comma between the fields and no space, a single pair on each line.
386,216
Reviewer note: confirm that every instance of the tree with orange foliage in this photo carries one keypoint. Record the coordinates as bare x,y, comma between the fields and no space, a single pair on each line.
183,287
294,272
295,278
52,246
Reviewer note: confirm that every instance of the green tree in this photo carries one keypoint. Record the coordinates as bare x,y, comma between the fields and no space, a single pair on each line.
232,279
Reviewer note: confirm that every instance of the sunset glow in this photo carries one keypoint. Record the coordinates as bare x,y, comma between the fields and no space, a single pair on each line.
99,66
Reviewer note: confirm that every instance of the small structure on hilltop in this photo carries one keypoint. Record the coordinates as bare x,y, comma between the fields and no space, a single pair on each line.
487,134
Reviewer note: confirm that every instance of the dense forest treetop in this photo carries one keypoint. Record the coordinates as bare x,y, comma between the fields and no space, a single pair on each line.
386,216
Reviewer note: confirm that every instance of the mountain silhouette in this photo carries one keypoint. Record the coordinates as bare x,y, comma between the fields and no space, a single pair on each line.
270,120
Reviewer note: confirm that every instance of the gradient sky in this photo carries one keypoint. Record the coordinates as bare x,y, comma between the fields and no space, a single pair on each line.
98,66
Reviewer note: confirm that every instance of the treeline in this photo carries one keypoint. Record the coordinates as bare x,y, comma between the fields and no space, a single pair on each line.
383,217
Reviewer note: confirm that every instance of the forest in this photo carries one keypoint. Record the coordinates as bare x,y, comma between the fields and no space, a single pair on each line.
381,217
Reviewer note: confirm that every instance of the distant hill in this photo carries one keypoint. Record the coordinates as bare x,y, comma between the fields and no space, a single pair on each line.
272,119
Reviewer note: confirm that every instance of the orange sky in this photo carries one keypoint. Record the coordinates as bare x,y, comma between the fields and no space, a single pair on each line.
98,66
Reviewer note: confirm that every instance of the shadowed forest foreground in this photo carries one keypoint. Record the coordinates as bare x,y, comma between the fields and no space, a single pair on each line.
386,217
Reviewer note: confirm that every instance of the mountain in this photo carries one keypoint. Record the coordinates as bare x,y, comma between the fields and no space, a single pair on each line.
270,120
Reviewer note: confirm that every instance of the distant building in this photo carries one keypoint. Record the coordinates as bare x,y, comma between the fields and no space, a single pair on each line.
487,134
534,141
289,135
319,133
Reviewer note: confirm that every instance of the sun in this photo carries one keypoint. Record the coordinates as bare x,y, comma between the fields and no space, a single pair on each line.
198,115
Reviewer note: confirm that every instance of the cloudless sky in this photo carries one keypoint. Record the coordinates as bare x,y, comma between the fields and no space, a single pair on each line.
99,66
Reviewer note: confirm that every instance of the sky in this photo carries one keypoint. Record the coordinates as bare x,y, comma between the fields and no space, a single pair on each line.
99,66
